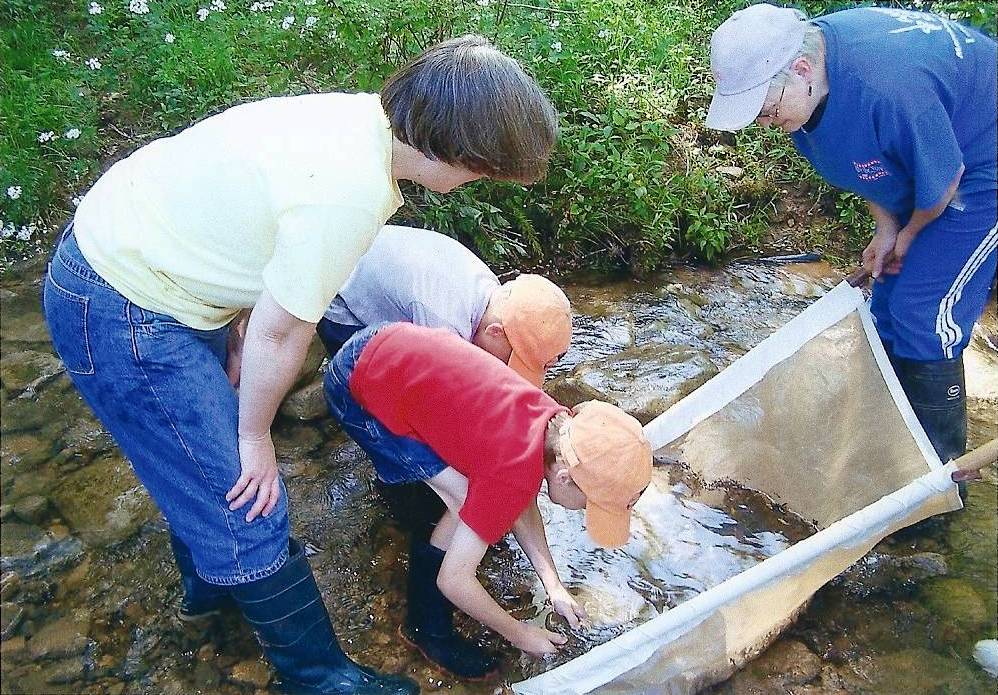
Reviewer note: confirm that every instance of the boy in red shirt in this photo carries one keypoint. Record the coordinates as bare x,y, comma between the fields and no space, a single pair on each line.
427,405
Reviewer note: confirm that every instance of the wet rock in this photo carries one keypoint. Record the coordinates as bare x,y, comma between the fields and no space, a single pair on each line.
306,403
19,540
13,649
24,451
64,671
314,358
206,676
986,654
251,672
6,510
731,172
207,652
786,664
957,605
28,368
11,616
32,509
643,381
30,551
10,586
143,642
65,637
103,502
882,573
23,327
919,672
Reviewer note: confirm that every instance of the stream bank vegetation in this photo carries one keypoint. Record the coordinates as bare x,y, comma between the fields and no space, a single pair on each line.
636,181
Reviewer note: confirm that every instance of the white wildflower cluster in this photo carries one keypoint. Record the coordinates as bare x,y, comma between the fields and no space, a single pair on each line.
95,8
217,6
169,38
138,7
555,23
26,232
14,192
10,231
6,230
71,134
203,13
309,3
46,136
261,7
288,22
311,21
604,33
93,63
556,46
60,54
484,3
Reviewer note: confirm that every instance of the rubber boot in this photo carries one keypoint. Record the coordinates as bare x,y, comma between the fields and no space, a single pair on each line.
201,600
937,393
293,627
429,624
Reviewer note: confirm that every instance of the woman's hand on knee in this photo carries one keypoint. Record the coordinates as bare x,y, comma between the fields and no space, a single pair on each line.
259,478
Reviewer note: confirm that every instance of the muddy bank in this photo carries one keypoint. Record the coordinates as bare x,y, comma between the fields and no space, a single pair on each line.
89,590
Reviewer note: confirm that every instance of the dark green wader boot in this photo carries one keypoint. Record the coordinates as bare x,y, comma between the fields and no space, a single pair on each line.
429,623
293,627
937,393
201,600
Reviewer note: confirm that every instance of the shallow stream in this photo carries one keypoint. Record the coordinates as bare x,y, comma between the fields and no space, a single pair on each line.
89,590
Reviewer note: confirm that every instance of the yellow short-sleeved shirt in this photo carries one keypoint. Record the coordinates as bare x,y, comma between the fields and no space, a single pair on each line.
285,193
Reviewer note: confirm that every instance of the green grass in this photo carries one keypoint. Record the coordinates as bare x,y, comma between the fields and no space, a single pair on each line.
635,181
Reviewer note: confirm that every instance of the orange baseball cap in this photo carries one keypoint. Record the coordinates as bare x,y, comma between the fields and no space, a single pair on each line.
609,458
537,320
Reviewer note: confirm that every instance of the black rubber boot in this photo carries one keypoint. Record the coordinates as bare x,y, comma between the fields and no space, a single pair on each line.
429,625
937,393
293,627
201,600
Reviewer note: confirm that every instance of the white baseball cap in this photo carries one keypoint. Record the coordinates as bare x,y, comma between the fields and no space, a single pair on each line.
746,53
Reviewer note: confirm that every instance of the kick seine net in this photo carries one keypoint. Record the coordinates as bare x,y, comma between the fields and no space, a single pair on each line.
815,419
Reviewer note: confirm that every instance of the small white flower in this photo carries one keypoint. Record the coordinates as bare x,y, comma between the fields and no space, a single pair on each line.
71,134
60,54
95,8
309,3
169,38
46,136
555,23
7,231
556,46
311,22
203,13
24,233
93,64
603,33
288,22
14,192
217,5
261,6
138,6
483,3
76,201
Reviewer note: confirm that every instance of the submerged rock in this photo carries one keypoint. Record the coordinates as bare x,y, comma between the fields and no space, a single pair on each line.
307,403
251,672
68,636
644,381
28,368
32,509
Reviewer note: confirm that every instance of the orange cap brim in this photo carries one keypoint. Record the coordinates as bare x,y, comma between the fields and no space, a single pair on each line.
531,374
608,528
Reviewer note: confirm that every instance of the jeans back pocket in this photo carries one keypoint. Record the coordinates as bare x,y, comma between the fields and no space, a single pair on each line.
66,314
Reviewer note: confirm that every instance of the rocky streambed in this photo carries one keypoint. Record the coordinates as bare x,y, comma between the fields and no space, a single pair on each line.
89,590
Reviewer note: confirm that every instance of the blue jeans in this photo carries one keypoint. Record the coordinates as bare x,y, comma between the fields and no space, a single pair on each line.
927,311
159,387
397,459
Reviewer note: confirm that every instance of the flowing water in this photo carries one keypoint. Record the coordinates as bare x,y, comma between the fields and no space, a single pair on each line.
89,590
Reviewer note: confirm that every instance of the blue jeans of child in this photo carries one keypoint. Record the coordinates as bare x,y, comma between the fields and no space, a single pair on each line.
159,387
397,459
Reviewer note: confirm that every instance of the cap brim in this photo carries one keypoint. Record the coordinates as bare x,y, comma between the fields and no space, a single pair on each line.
735,111
609,529
531,374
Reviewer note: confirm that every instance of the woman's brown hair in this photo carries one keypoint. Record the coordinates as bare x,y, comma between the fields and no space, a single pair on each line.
464,102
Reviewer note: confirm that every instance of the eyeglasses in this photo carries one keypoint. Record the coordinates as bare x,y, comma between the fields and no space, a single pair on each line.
776,109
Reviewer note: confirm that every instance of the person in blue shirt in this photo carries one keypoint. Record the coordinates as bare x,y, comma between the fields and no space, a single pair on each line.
898,107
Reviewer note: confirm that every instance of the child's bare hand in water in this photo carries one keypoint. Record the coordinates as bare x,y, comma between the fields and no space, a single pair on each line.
566,606
537,641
